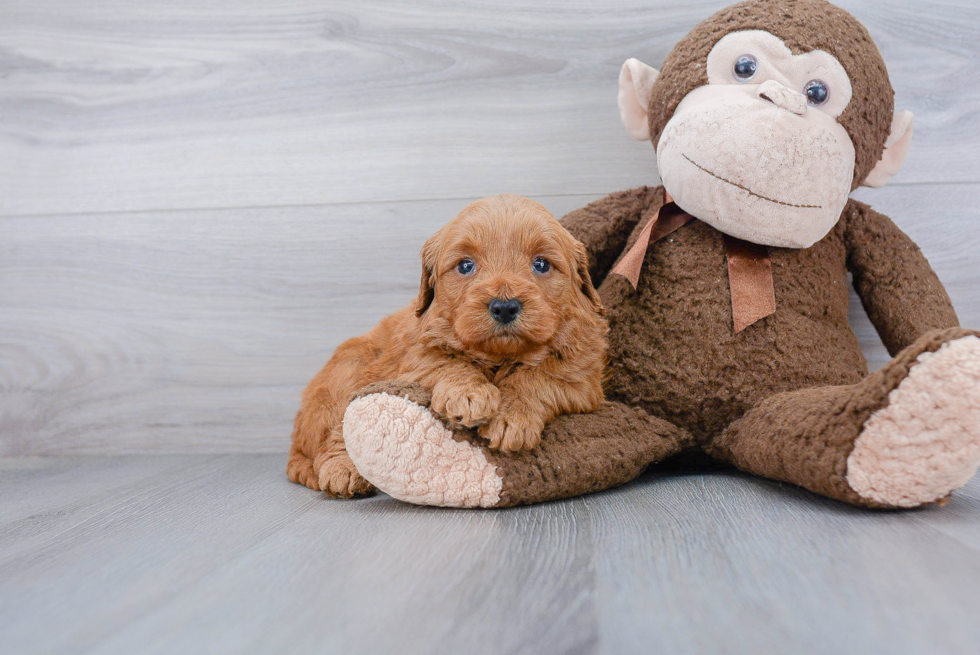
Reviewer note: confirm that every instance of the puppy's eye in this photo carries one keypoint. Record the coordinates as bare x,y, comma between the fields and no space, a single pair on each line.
466,267
541,265
745,68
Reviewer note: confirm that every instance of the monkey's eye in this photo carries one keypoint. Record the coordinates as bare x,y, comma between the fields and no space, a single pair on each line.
817,93
745,68
466,267
541,265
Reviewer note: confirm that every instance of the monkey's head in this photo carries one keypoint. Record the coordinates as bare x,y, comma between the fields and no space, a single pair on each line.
766,117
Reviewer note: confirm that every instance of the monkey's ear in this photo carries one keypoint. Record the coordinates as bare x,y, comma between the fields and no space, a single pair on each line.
896,150
635,87
427,287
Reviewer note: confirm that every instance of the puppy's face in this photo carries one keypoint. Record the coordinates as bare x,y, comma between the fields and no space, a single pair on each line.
502,278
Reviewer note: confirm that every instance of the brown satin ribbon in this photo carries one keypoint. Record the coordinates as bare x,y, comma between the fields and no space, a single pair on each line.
749,268
668,218
750,282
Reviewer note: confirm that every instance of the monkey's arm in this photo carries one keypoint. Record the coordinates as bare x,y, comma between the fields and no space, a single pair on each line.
605,225
899,290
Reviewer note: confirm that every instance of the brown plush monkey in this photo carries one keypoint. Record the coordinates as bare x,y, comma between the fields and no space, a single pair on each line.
735,340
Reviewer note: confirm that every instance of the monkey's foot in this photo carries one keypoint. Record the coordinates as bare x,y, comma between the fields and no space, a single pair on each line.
926,442
405,451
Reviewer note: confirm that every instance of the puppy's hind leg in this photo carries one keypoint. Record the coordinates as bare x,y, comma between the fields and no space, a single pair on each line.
299,468
318,458
336,473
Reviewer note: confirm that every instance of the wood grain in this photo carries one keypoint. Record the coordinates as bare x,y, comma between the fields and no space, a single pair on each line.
110,106
763,567
221,554
195,331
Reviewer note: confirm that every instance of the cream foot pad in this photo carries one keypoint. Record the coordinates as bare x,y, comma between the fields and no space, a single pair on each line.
406,452
926,442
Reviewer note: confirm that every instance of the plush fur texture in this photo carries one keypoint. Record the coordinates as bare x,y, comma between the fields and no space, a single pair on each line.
706,377
508,379
806,436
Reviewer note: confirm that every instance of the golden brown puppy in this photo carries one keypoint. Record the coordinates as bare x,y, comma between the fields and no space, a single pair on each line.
506,332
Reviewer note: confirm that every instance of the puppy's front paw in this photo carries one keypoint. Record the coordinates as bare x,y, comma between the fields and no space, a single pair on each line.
513,432
469,406
339,478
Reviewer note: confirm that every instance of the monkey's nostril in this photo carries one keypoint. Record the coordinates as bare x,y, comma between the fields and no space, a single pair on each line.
504,311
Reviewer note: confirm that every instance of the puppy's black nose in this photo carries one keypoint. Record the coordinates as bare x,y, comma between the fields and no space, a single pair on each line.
505,311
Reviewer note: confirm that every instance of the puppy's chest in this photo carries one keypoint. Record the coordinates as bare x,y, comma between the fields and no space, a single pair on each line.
497,373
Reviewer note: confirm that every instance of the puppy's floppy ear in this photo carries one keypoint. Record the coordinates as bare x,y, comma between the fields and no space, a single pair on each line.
427,288
584,280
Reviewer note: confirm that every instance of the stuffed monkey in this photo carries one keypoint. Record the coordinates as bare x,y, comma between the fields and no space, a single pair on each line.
726,291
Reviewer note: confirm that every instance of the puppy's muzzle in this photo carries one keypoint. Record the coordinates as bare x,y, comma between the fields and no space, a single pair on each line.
505,311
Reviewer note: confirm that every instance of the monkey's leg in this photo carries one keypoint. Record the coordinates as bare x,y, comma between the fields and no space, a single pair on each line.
907,435
404,450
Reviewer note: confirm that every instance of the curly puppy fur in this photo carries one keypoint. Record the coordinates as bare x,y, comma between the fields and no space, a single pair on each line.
505,379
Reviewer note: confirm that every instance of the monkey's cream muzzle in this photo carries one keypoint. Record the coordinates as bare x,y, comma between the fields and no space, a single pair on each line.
745,163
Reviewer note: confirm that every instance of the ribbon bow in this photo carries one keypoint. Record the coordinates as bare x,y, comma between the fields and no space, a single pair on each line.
749,268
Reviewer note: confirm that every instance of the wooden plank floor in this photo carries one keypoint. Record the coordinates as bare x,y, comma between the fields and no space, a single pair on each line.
221,554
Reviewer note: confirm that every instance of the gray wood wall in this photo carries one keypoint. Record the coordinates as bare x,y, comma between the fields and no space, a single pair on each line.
199,201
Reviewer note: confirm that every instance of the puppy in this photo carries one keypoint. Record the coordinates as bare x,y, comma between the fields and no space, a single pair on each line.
506,332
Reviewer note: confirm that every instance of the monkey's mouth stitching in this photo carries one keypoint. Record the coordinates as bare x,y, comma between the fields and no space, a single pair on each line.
748,190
